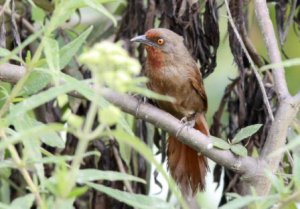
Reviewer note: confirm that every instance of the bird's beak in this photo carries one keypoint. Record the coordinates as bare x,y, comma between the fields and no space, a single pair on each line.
142,39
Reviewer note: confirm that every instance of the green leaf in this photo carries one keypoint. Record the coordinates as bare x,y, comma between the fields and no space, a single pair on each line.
78,191
5,52
24,202
240,202
146,152
36,81
51,50
125,152
85,175
68,51
293,144
296,171
277,183
29,40
36,131
31,149
220,143
37,14
38,99
134,200
95,4
239,149
245,133
52,139
62,158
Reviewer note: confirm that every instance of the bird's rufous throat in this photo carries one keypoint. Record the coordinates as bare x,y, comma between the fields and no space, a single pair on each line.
172,71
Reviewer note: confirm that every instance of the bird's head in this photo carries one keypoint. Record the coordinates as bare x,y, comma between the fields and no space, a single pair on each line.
162,40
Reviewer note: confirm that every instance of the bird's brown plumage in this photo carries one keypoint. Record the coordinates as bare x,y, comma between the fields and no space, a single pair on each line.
172,71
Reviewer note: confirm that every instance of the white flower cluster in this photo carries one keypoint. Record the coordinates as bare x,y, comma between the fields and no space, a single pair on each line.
112,65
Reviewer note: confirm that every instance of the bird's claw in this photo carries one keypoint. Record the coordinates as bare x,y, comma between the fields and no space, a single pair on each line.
141,100
185,123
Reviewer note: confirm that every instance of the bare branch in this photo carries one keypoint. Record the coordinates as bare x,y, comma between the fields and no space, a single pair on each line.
165,121
266,26
11,73
288,107
189,136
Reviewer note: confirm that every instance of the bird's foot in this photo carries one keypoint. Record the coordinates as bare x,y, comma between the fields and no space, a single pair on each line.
185,123
141,100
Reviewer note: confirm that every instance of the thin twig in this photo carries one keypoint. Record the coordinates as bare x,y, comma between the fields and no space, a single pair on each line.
2,8
15,156
27,24
255,69
121,168
289,22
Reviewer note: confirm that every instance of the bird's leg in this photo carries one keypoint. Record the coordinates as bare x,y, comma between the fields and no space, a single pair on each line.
186,121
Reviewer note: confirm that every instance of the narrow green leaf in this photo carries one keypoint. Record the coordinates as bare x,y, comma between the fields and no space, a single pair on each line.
240,202
62,158
85,175
24,202
134,200
100,8
146,152
25,43
37,131
245,133
31,149
239,149
68,51
38,99
51,50
296,171
36,81
293,144
277,183
52,139
5,52
125,152
285,64
220,143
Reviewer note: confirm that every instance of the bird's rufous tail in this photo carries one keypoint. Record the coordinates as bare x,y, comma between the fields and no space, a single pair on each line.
188,167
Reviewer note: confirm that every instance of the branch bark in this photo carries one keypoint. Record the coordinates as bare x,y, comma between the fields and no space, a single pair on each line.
248,166
288,105
266,26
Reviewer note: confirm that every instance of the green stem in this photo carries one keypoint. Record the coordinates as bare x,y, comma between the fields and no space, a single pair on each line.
20,164
82,145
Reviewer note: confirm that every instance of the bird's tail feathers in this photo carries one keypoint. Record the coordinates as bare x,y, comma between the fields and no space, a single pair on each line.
188,167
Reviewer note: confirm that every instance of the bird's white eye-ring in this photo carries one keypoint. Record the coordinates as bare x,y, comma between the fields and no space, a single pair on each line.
160,41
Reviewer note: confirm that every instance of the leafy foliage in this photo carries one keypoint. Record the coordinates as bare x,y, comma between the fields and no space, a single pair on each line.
64,146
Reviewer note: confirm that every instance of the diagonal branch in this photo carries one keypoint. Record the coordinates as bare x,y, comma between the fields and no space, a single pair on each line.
266,26
165,121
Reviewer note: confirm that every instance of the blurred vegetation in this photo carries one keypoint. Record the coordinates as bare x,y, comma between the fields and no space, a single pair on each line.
60,151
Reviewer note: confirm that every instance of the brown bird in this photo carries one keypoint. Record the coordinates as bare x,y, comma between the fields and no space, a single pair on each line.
172,71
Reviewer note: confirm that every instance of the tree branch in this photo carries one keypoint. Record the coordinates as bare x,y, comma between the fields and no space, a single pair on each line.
266,26
288,105
11,73
161,119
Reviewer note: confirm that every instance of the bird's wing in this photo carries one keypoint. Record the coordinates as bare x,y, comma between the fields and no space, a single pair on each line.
197,83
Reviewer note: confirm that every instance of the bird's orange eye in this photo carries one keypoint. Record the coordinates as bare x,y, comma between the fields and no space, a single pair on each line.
160,41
